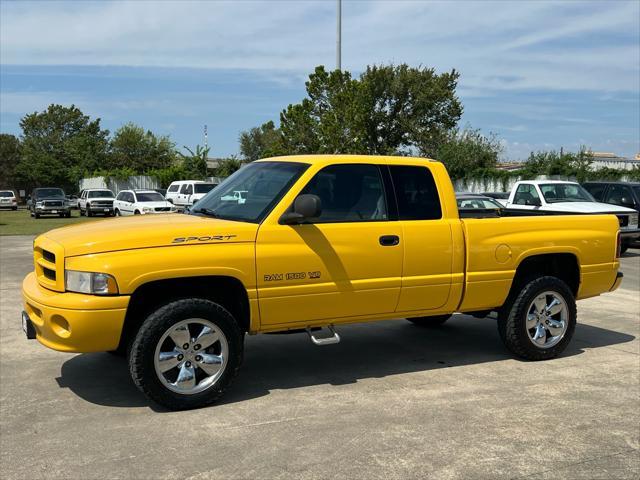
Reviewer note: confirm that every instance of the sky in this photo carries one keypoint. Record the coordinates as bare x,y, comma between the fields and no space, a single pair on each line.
539,74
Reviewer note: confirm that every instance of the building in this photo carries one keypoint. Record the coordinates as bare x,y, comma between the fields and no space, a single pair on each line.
611,160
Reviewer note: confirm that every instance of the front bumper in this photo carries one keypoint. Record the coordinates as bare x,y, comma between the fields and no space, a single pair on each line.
630,235
74,322
52,210
97,209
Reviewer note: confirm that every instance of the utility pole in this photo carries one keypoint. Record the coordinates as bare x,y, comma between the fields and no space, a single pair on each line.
339,38
205,136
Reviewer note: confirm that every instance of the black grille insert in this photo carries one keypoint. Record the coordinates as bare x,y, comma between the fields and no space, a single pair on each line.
48,273
48,256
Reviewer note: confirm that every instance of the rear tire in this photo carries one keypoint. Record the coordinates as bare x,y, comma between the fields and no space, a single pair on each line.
430,322
136,212
528,325
154,343
624,248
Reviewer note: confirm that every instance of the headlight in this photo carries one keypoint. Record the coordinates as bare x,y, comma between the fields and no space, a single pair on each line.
147,209
90,282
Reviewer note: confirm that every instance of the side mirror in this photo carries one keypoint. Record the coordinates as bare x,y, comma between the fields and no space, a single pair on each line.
627,202
304,207
533,202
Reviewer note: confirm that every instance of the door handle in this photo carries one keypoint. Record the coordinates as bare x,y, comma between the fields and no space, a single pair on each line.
389,240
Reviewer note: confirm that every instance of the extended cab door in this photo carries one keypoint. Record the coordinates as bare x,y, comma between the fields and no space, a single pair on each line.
347,263
427,239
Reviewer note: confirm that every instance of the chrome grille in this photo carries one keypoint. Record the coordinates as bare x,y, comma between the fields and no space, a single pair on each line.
102,203
52,203
48,256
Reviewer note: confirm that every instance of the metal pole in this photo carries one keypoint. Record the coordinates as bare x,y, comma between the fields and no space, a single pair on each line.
339,38
205,137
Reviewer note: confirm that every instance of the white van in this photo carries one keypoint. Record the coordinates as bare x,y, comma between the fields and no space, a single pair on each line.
185,193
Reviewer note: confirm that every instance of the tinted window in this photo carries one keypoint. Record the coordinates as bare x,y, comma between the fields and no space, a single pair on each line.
49,192
149,197
349,193
636,189
619,195
416,193
565,192
173,188
251,192
204,187
596,190
121,196
524,193
184,188
100,193
5,193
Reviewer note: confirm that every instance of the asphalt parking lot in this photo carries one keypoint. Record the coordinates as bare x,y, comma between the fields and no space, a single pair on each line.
391,401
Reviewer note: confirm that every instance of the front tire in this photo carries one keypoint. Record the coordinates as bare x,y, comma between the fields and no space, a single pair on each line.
186,354
430,322
116,212
539,322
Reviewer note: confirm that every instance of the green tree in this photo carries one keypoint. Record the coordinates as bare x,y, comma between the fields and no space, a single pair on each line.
59,146
260,142
9,158
140,150
195,164
387,110
468,152
227,166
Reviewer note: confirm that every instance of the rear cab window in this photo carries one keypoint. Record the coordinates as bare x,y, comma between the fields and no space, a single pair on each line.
416,193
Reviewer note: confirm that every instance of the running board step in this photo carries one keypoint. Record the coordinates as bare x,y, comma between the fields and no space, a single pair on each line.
325,341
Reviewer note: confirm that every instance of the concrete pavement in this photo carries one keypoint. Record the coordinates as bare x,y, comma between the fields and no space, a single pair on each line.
390,401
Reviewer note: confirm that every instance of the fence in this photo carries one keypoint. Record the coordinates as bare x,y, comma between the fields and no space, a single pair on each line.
138,182
480,185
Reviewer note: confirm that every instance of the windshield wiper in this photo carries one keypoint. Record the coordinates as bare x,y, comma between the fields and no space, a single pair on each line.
206,211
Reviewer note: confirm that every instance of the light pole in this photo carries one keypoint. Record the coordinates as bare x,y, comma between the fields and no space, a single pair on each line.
339,38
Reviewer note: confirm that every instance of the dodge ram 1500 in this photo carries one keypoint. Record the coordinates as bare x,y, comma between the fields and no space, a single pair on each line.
315,241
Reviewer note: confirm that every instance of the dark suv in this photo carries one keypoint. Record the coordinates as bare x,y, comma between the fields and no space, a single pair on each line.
625,194
49,201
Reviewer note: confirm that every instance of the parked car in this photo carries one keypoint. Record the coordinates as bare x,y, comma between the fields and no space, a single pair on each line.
48,201
624,194
556,196
475,202
73,201
141,202
8,199
500,197
185,193
96,201
321,241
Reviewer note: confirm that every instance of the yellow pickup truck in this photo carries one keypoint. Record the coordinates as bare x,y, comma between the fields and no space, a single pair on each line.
316,241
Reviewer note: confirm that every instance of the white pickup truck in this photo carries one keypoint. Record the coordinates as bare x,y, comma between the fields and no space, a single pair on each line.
555,196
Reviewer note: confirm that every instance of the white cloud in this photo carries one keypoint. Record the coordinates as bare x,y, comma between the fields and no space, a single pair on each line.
499,45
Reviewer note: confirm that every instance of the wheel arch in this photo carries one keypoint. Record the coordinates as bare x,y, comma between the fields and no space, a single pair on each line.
227,291
562,265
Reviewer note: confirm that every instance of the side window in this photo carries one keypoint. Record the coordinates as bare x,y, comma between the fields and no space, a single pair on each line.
184,188
349,193
173,188
120,196
416,193
131,197
189,189
597,190
619,195
525,192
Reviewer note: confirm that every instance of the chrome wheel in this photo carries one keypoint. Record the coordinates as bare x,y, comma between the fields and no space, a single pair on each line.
547,319
191,356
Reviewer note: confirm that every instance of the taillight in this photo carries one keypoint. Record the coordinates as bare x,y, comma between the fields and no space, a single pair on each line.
618,245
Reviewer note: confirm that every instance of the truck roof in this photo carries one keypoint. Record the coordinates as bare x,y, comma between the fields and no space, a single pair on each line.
540,182
343,158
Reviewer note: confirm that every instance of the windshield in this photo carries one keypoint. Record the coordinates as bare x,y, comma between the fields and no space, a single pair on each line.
49,192
149,197
478,202
565,192
100,193
250,193
203,187
6,194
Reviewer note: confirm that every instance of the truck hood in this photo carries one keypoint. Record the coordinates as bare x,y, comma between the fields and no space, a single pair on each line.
148,231
586,207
